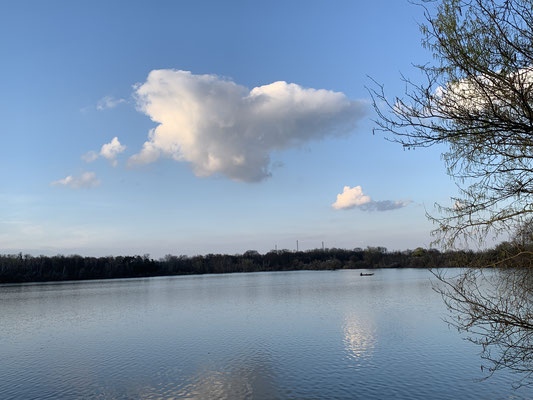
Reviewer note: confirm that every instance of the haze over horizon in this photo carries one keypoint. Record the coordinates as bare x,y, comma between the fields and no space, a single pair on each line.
201,127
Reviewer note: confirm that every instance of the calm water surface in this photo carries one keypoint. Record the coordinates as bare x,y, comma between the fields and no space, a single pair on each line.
301,335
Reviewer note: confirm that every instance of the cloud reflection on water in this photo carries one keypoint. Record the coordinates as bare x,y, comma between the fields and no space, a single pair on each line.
250,377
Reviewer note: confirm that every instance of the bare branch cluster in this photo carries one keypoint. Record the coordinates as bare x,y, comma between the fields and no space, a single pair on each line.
494,308
476,100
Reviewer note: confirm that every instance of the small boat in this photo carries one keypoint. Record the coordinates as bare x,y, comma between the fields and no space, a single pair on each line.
363,274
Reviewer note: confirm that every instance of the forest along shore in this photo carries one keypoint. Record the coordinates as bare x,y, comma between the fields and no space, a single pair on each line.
17,268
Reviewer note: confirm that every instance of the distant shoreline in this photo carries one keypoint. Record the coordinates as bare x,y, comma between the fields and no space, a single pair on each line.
59,282
19,268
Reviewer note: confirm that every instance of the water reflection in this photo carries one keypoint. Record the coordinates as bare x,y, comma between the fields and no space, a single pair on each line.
275,335
252,378
359,336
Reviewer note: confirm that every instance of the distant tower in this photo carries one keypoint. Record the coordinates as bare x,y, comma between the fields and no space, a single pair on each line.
322,246
297,246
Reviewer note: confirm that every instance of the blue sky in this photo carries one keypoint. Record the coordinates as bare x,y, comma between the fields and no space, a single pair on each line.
246,168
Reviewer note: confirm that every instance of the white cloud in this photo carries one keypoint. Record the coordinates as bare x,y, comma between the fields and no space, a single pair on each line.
355,198
484,92
109,151
108,102
350,198
222,127
90,156
85,180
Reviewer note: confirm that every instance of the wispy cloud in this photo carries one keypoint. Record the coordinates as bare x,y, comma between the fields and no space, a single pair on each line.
109,151
222,127
90,156
85,180
108,102
385,205
355,198
50,237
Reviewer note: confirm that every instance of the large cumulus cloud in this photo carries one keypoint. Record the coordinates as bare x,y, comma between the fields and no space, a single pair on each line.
222,127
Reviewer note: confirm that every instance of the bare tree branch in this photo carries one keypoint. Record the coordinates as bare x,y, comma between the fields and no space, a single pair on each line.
476,99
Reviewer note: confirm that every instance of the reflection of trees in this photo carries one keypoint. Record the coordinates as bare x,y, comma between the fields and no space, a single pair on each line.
359,336
495,307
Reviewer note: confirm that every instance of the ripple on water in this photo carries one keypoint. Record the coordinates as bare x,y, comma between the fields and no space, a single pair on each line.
309,335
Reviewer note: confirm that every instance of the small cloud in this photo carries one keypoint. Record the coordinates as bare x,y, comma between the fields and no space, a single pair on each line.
109,151
385,205
90,156
85,180
355,198
219,126
108,102
350,198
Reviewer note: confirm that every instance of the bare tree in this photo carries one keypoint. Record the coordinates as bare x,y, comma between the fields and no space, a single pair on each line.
477,101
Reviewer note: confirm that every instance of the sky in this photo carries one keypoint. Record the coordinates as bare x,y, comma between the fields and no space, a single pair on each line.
196,127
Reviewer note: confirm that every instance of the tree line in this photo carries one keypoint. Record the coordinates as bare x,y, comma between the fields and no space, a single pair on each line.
16,268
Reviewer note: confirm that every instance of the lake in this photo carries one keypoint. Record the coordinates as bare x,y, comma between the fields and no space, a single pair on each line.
282,335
